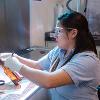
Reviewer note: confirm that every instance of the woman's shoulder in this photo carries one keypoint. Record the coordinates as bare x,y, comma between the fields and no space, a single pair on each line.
87,54
87,57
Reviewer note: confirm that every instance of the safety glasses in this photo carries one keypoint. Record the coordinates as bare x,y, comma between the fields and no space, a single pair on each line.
60,30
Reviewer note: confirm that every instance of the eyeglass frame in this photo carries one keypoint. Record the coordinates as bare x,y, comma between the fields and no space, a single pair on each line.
58,30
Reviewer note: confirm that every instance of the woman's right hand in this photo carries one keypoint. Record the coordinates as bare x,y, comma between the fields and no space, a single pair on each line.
4,56
13,63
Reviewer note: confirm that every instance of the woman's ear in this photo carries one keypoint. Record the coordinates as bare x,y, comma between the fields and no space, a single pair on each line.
74,33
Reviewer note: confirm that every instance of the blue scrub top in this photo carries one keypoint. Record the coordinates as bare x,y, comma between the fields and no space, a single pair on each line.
83,68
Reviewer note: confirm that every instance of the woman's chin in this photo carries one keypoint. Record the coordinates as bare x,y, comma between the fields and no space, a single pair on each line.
61,47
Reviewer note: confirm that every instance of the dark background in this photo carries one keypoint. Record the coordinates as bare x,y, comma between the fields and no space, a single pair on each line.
93,16
14,25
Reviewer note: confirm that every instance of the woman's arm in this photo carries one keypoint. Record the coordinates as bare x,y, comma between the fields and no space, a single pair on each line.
28,62
46,79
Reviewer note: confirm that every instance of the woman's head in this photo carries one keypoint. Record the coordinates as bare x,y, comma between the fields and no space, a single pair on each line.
74,32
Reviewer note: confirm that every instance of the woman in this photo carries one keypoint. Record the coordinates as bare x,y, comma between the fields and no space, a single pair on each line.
73,68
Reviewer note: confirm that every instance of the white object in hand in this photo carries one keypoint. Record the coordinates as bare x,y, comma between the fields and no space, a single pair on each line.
4,56
13,63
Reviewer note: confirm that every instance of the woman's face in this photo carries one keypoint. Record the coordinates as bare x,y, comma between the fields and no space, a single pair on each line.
65,39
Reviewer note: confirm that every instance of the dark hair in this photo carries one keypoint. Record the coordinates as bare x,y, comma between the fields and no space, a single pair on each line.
84,39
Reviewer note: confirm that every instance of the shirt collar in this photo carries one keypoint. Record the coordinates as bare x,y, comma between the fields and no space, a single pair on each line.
63,53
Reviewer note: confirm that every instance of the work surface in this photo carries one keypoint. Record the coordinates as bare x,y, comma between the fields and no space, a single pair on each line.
9,91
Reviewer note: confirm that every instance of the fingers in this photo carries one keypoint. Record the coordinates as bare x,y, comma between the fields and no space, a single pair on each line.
9,60
4,56
13,63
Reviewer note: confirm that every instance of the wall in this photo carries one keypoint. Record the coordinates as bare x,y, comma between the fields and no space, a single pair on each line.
39,21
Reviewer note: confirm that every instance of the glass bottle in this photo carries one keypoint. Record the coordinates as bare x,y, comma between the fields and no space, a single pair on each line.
14,77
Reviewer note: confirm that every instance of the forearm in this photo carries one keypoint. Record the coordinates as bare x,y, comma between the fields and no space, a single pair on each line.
39,77
46,79
29,62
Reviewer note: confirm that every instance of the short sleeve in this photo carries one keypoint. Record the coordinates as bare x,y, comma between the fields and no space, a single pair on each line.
46,60
81,70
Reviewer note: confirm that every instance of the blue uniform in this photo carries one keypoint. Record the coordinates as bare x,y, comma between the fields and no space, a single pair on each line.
83,68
